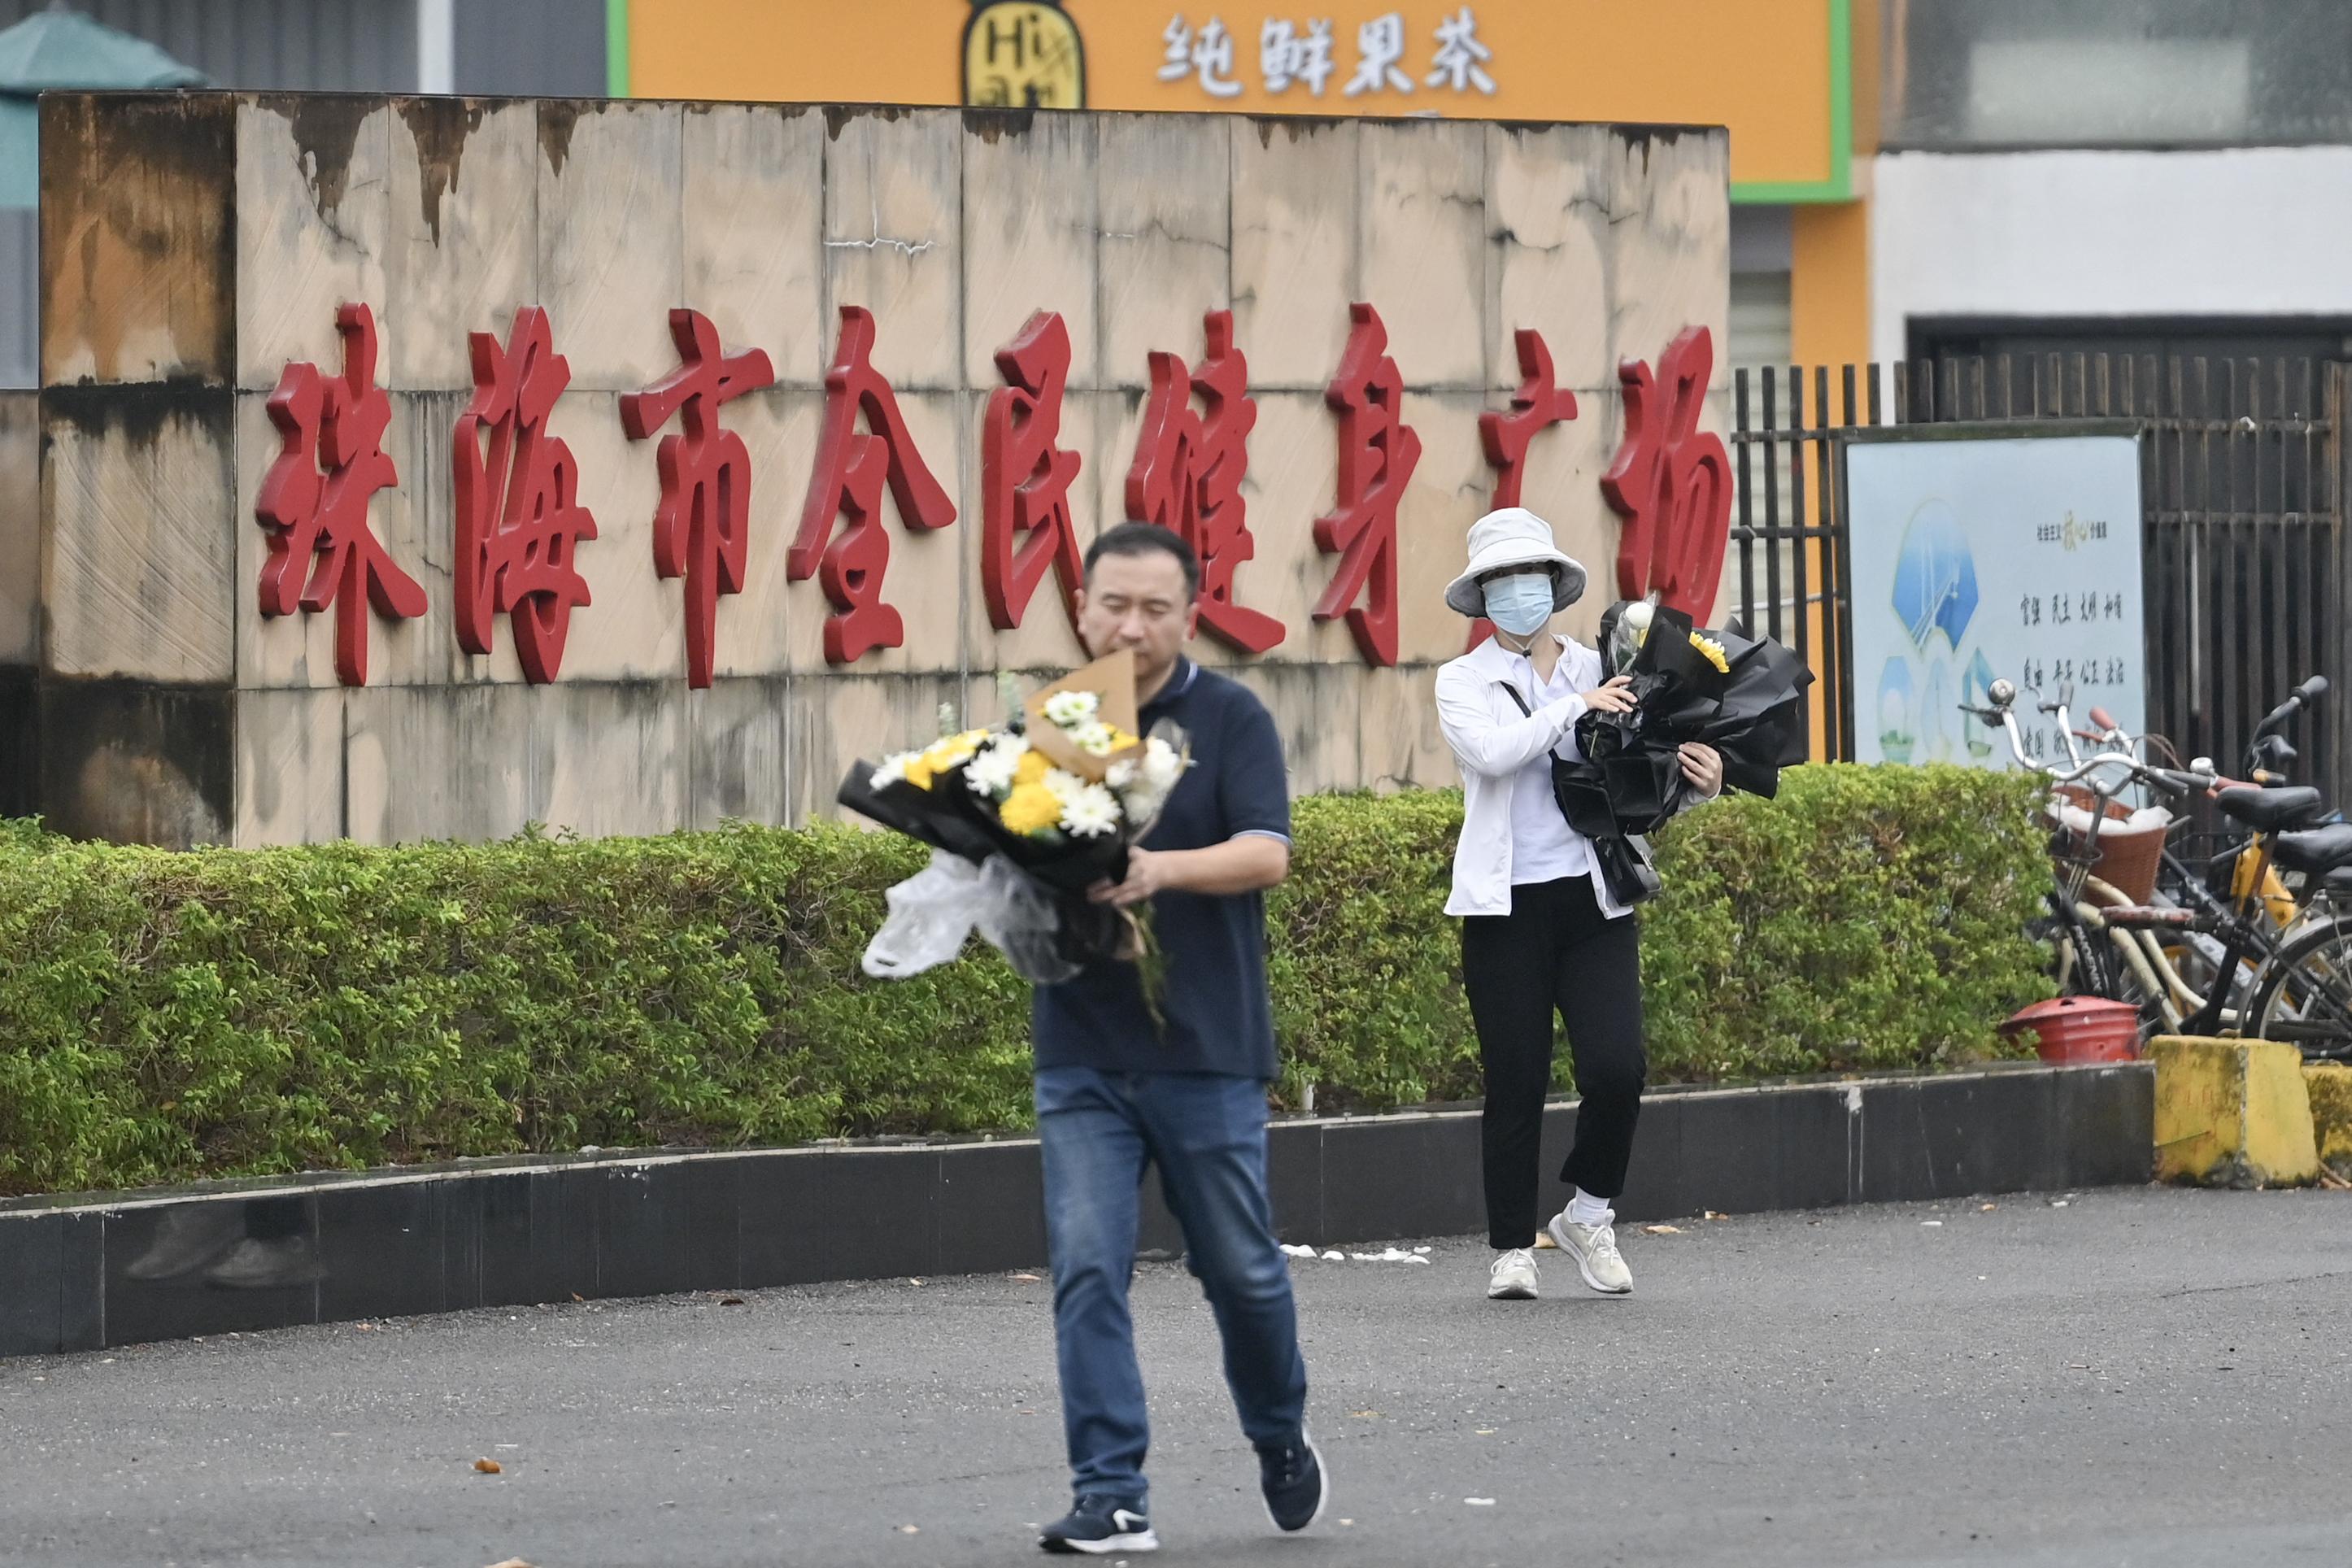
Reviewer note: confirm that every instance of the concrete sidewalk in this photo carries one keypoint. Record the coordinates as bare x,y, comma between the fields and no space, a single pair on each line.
2140,1376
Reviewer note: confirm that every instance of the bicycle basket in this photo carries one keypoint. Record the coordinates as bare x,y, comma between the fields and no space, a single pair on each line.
2128,858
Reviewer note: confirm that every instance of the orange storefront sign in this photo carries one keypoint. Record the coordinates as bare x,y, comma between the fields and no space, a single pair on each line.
1777,75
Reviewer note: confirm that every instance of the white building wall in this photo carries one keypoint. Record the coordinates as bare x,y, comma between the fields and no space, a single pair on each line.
2257,231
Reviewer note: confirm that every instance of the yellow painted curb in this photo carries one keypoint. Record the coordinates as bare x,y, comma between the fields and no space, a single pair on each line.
2329,1085
2232,1113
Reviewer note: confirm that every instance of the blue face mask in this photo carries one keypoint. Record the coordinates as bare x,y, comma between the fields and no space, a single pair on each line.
1521,603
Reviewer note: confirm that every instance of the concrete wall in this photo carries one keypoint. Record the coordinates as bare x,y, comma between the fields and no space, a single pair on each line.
194,245
20,599
2252,231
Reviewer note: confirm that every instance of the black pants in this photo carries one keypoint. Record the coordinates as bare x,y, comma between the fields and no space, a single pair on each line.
1555,951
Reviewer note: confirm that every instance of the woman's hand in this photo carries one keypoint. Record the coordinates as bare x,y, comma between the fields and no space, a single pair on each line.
1614,695
1703,766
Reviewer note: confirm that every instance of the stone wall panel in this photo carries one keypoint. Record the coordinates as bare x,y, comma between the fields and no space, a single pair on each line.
138,238
196,244
137,490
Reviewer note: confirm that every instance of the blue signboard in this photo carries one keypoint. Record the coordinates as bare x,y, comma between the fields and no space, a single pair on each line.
1978,557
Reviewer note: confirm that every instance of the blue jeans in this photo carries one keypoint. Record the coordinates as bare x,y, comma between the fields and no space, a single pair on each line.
1207,1134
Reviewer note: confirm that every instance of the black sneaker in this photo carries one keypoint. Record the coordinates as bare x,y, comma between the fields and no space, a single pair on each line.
1292,1476
1098,1526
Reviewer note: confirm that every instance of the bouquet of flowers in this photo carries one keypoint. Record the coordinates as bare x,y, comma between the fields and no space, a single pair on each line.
1023,820
1741,695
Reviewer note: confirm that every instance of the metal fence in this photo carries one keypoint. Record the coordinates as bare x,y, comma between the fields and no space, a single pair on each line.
2243,483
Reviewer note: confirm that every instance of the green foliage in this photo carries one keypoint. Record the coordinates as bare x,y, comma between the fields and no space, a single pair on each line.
165,1017
1867,919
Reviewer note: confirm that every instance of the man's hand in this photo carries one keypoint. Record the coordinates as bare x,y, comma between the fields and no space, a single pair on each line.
1245,865
1703,766
1147,873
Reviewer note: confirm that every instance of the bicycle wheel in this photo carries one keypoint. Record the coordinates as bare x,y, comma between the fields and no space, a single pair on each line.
2305,994
2144,993
2197,959
2083,962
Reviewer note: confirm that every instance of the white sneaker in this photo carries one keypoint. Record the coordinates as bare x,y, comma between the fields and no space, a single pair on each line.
1513,1277
1594,1247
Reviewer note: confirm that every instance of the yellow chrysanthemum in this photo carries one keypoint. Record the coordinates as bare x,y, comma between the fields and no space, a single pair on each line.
1713,650
1032,769
954,751
919,769
1030,808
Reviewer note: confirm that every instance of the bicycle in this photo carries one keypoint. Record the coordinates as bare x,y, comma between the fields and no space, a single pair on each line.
2300,989
2132,944
2240,884
2091,957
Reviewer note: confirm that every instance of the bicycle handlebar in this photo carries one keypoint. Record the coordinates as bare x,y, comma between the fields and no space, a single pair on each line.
2000,715
2006,716
2303,696
2171,782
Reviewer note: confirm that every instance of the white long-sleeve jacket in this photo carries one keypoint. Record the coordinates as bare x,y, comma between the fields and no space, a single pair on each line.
1493,739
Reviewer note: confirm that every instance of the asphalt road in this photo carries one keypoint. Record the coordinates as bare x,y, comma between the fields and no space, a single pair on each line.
2136,1377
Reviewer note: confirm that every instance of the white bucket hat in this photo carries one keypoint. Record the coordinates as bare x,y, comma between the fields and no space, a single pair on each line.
1514,537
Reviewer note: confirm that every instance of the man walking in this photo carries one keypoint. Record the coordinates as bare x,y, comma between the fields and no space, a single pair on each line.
1116,1092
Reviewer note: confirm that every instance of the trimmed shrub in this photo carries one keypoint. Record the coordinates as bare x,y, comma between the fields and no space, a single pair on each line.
1866,918
164,1017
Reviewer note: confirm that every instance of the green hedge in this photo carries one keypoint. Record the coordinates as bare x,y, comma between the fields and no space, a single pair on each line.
172,1016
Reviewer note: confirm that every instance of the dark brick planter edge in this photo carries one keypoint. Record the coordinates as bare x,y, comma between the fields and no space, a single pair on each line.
503,1232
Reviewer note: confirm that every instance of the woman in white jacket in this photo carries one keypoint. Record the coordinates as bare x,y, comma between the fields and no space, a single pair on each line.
1540,933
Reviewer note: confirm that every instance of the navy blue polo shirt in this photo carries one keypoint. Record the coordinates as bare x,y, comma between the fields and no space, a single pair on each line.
1218,1017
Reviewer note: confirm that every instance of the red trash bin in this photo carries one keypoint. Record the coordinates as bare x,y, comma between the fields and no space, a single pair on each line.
2081,1029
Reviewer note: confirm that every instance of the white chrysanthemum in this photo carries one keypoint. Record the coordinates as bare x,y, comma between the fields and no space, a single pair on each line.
1065,784
1090,813
990,773
1163,764
1095,739
890,772
1121,776
1068,710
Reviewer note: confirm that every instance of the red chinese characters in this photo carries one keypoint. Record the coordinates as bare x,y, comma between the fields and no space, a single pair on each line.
701,526
519,520
1505,436
1378,452
1026,528
1187,476
321,551
1536,407
851,467
1671,485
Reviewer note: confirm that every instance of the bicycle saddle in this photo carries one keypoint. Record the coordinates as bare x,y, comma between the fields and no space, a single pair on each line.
2315,850
2270,810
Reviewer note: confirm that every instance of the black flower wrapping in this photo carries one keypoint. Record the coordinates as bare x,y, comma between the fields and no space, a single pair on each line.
948,817
1630,780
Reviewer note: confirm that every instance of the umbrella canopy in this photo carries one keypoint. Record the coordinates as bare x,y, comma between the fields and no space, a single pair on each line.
1935,576
63,49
